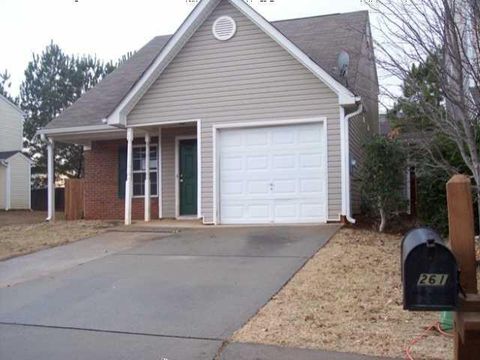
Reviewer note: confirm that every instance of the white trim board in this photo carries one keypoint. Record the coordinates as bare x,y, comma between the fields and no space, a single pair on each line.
177,177
8,187
216,155
200,13
160,174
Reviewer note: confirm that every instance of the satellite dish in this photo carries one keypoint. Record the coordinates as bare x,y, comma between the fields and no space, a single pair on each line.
342,62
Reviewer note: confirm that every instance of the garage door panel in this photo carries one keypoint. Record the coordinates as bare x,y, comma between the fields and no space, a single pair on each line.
282,137
312,210
258,187
232,187
229,162
287,210
283,162
311,186
311,160
257,162
254,137
288,186
272,174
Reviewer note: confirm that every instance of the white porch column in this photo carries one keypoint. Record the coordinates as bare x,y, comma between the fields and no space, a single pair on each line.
129,181
8,187
147,177
159,172
51,179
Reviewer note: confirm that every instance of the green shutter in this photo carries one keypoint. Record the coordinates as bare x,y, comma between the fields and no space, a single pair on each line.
122,170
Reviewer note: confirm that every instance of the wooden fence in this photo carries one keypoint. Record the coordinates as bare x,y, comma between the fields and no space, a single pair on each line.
74,199
39,199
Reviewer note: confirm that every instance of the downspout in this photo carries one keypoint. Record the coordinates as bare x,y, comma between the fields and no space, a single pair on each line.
5,204
8,186
345,147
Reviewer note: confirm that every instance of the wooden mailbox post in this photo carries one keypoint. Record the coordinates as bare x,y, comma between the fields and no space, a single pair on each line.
462,242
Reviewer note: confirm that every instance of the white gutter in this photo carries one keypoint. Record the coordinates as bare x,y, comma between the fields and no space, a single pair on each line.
345,152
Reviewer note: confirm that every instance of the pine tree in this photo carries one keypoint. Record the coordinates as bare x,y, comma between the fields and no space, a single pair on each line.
53,81
5,85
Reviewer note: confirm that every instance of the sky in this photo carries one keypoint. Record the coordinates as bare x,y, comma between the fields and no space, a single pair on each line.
111,28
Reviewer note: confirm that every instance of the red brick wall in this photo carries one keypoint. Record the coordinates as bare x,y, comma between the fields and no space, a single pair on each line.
101,185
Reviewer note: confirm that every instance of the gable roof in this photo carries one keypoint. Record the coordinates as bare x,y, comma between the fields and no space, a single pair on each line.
311,35
323,37
12,105
98,102
5,155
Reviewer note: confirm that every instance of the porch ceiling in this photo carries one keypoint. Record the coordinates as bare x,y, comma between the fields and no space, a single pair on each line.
86,138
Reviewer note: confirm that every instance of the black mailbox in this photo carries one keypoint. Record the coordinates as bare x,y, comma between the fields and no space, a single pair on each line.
429,272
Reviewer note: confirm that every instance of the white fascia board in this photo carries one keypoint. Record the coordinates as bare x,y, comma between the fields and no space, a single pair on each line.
173,46
345,96
78,130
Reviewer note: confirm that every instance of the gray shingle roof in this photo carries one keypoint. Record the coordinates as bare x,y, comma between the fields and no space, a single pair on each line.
97,103
4,155
320,37
323,37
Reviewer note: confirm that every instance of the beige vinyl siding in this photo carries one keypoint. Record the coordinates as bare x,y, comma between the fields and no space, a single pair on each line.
247,78
168,166
11,123
366,124
20,182
358,134
3,184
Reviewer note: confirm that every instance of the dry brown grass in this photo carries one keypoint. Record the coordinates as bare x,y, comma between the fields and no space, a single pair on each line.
348,298
23,232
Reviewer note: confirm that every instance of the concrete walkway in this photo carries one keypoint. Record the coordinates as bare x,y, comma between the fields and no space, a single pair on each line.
50,261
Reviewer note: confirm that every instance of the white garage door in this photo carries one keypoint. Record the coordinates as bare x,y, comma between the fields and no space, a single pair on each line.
273,174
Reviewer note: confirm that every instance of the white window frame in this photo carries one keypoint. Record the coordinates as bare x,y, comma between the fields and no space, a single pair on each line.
152,146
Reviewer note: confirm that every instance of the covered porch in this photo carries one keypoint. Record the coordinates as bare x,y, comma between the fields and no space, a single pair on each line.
118,182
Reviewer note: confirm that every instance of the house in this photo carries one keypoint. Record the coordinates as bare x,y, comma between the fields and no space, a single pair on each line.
241,121
14,166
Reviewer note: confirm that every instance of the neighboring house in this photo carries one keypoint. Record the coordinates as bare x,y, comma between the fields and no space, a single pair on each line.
14,166
241,120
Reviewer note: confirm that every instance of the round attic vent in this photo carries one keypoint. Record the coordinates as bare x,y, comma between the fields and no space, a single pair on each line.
224,28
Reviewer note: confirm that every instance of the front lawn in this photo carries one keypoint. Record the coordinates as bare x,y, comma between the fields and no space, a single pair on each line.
23,232
348,298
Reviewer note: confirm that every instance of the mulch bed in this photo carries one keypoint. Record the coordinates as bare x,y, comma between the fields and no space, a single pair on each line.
348,298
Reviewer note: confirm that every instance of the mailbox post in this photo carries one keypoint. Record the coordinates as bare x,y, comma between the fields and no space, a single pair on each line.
461,227
433,275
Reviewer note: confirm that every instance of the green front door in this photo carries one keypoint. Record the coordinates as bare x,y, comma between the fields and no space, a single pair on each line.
188,177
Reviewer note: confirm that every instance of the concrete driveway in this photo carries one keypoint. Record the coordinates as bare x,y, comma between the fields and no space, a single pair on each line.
175,298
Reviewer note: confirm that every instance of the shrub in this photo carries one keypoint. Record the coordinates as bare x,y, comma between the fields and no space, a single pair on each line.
382,178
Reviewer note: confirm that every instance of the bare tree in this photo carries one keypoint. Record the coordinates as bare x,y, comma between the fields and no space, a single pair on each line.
415,31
